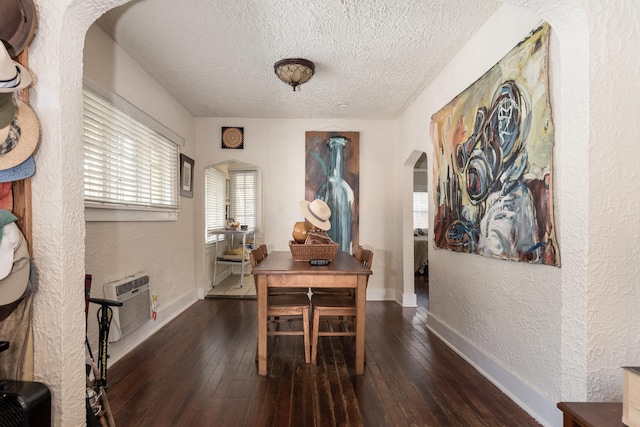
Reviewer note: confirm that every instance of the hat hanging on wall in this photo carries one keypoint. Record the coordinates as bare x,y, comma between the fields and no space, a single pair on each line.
14,285
24,170
13,75
18,22
19,138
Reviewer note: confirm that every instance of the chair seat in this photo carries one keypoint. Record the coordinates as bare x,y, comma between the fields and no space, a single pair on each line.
288,301
326,300
287,291
333,291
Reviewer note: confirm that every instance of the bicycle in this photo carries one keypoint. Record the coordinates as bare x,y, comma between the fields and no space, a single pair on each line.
98,407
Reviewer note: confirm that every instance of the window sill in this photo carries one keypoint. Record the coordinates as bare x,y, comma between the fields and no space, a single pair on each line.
92,214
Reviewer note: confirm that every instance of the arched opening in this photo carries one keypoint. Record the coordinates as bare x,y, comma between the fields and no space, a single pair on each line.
415,190
421,230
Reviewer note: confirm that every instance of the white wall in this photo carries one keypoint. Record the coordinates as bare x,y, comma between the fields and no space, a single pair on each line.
163,249
614,195
277,147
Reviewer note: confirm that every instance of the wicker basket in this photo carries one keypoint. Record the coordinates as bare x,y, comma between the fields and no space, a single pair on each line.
302,252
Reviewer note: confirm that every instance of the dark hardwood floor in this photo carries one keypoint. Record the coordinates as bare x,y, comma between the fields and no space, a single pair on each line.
200,370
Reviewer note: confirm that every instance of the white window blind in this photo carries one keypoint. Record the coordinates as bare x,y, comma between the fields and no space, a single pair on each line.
246,197
214,183
126,163
420,209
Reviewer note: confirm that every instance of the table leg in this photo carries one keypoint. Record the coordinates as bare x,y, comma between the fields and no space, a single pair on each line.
261,291
361,316
244,248
215,262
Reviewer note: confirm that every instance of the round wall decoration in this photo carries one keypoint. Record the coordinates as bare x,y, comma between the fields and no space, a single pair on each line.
232,137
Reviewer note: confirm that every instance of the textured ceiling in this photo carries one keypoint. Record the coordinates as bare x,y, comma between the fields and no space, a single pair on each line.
216,56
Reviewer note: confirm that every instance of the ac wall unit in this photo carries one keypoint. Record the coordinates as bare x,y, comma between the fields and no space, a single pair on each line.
133,292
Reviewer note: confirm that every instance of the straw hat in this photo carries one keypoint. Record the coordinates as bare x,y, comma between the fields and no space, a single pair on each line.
18,21
13,75
317,212
19,139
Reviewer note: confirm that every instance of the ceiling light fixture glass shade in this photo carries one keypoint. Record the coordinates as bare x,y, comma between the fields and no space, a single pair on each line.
294,71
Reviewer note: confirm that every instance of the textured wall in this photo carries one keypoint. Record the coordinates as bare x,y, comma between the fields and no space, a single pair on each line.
614,196
58,230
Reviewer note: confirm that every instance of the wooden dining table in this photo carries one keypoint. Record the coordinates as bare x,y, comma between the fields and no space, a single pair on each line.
279,270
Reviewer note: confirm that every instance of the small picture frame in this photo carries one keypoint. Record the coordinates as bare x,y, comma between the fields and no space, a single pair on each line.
186,176
232,137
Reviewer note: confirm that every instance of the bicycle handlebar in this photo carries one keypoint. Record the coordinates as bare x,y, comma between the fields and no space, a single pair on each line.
106,302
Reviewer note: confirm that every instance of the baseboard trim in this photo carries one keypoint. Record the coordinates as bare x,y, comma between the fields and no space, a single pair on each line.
545,412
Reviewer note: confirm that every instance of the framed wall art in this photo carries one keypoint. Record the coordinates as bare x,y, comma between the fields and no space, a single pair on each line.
186,176
232,138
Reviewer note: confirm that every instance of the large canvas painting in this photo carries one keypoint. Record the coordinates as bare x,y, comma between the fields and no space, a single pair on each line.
493,174
332,174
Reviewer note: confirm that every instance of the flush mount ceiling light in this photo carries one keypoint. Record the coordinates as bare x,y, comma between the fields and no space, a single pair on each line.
294,71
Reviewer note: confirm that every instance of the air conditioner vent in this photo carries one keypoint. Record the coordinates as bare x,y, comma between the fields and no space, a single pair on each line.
133,292
131,285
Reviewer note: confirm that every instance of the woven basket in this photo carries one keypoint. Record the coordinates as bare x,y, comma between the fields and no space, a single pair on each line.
302,252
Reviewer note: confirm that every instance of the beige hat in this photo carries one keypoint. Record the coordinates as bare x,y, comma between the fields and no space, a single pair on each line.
18,21
20,138
13,75
13,286
317,212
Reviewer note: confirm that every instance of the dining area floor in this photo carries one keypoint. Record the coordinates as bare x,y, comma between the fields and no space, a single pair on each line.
200,370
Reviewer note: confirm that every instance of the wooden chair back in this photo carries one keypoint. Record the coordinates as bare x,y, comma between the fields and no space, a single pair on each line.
255,257
265,251
366,258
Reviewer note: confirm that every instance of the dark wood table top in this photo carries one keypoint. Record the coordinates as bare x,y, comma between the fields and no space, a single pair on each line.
281,262
593,414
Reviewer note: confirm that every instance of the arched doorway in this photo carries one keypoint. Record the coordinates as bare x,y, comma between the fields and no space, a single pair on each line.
415,177
421,230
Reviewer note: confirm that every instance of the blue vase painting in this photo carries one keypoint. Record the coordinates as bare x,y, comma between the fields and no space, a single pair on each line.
332,174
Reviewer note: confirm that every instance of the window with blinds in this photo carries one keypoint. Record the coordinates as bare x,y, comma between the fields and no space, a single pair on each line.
214,211
127,164
420,209
246,197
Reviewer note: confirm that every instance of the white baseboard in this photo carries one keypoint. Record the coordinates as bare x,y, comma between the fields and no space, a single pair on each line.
544,411
409,300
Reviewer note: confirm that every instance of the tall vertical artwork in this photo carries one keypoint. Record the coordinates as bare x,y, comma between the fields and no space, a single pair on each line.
493,174
332,168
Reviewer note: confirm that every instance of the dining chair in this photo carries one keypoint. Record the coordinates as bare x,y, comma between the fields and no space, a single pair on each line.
265,251
292,305
281,291
332,306
357,253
